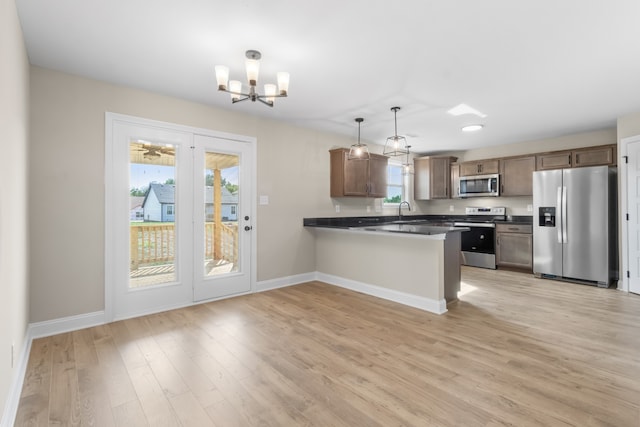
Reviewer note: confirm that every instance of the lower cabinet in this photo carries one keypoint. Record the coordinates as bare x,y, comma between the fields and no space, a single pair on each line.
514,246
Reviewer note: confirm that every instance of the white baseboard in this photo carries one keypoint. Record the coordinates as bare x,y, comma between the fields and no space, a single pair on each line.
281,282
13,399
40,330
66,324
427,304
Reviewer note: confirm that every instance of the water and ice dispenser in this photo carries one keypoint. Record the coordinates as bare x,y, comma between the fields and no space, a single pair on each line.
547,216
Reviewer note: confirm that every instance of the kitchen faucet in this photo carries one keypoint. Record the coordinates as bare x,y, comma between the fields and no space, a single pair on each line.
400,209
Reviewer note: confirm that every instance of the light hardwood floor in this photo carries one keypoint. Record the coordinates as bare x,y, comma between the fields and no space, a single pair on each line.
514,351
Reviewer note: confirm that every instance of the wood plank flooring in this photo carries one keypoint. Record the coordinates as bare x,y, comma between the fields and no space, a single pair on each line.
513,351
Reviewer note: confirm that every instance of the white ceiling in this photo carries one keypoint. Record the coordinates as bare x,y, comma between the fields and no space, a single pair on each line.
537,69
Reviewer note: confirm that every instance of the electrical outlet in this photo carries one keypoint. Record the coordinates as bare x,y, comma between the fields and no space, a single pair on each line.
529,208
368,208
337,208
450,208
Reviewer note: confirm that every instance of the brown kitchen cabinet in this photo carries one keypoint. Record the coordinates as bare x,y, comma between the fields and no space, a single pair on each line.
514,246
432,177
455,180
516,174
357,178
601,155
479,167
555,160
594,156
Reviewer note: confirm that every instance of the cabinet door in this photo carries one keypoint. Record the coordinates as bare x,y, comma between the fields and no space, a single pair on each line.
514,250
469,168
595,156
440,177
557,160
480,167
378,176
455,180
489,166
517,176
355,177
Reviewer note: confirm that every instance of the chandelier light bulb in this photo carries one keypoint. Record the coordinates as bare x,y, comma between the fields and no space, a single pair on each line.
222,76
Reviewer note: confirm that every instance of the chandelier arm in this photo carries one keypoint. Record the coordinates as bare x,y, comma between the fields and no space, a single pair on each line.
259,98
232,92
234,101
270,96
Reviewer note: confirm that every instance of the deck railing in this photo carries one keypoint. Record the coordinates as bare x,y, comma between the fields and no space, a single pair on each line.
153,244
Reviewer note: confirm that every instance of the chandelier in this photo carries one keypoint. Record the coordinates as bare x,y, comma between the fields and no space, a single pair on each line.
234,87
359,151
396,145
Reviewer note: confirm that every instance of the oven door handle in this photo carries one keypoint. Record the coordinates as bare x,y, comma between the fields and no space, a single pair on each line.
474,224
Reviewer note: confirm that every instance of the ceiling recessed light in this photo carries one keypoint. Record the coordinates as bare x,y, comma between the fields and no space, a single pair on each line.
472,128
462,109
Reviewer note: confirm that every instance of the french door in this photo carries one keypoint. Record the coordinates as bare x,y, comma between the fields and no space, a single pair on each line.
179,216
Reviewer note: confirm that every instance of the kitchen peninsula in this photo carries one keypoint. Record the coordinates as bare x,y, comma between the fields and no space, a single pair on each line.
415,262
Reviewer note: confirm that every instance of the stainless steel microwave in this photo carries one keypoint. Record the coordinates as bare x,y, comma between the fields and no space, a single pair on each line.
479,185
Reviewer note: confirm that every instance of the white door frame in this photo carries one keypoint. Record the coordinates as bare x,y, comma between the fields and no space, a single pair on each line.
110,213
623,283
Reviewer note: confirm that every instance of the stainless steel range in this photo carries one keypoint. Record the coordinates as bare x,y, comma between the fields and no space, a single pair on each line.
478,245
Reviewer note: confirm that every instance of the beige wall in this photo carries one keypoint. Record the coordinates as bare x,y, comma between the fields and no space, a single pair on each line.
628,125
67,187
14,117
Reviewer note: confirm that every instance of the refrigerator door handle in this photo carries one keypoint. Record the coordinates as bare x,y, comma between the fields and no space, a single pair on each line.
564,215
559,205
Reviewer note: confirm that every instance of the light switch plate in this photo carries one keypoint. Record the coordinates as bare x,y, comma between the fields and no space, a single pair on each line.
264,200
337,208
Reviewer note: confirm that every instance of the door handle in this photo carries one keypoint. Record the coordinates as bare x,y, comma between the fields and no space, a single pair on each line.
564,215
247,228
559,214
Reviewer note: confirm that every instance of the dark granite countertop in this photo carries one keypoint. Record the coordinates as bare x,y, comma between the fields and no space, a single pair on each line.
364,221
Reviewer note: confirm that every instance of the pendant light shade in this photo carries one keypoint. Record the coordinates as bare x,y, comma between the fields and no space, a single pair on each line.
407,168
396,145
359,151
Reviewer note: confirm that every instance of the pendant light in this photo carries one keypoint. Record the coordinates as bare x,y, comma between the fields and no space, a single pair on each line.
407,168
396,145
359,151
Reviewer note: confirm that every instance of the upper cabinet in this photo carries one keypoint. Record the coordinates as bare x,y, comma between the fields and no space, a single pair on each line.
555,160
603,155
357,178
594,156
432,177
455,180
517,176
479,167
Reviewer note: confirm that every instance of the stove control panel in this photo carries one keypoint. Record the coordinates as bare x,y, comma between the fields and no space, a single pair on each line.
486,211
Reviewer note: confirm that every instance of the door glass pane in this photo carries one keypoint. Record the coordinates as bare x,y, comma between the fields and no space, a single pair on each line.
152,213
221,210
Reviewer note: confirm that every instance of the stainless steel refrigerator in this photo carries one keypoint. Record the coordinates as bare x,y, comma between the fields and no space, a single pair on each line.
574,224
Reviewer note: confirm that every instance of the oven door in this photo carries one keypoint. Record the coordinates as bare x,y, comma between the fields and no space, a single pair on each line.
478,245
479,239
